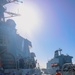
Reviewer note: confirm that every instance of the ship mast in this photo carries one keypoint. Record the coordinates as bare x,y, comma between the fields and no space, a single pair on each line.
60,51
3,10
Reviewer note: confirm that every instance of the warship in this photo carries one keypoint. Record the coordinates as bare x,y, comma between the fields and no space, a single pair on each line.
15,55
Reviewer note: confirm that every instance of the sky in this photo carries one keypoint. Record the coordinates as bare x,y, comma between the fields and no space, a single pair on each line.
49,25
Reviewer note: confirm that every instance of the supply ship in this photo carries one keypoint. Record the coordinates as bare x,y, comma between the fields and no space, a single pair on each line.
61,62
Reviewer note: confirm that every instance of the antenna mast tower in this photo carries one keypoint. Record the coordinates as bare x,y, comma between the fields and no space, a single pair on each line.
3,10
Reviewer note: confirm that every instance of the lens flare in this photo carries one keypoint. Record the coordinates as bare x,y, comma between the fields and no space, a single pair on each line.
30,19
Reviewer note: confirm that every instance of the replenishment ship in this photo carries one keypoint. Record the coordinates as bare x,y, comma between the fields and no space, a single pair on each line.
61,62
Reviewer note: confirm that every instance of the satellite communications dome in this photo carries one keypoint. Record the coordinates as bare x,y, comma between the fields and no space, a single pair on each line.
11,23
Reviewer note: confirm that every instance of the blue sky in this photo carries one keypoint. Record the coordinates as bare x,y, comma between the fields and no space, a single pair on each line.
56,31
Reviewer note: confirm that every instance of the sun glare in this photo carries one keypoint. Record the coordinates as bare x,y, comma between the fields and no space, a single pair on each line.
30,19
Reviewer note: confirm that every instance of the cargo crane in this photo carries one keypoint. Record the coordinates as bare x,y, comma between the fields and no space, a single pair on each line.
3,10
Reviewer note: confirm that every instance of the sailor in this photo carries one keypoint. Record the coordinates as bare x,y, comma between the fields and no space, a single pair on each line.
27,73
58,73
1,72
13,73
35,74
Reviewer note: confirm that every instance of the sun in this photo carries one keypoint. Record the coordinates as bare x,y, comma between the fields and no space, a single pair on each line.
30,19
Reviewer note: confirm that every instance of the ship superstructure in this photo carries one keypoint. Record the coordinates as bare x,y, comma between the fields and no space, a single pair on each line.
58,61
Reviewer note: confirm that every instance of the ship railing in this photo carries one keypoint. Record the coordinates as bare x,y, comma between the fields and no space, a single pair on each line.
68,69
